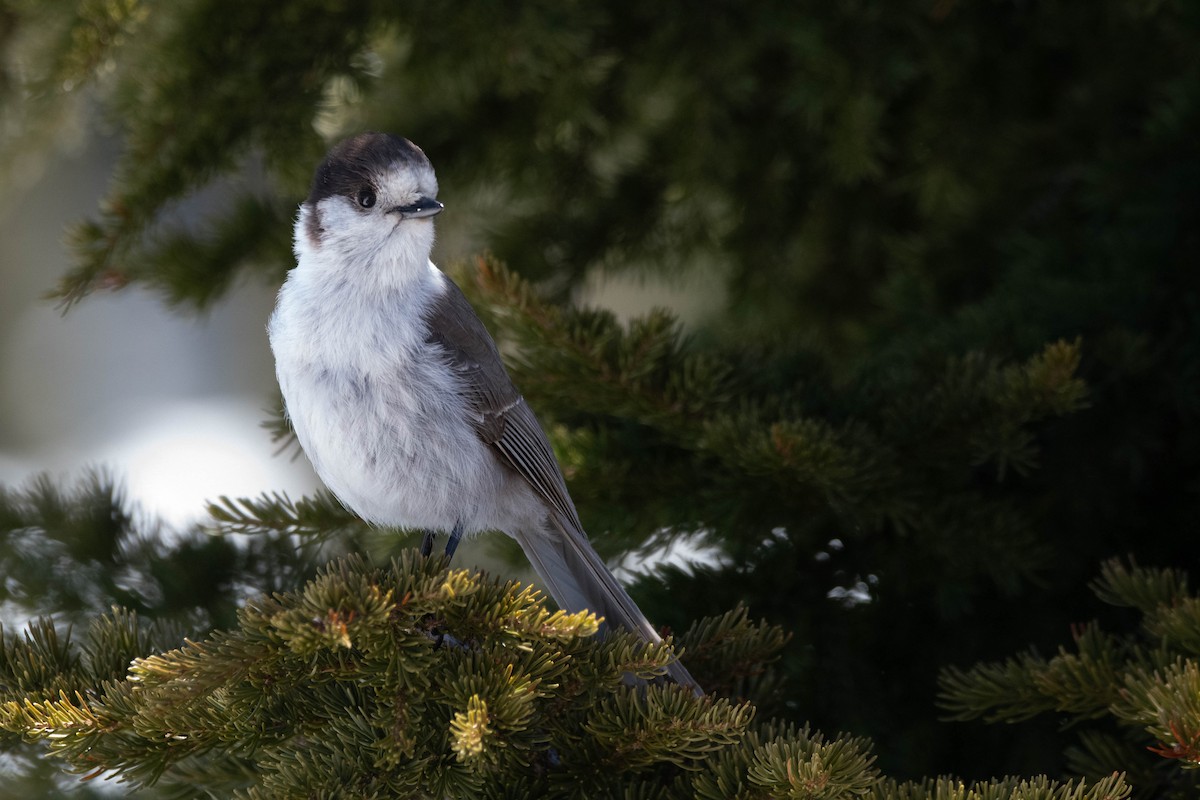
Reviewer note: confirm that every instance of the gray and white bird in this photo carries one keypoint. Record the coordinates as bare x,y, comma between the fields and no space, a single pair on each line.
397,393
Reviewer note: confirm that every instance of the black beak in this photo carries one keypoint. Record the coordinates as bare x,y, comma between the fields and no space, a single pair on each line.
424,207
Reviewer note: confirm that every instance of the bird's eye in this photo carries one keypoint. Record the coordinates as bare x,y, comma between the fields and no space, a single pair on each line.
366,197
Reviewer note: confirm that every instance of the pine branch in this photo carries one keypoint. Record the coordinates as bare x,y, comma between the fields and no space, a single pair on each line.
872,471
73,551
282,434
785,761
285,52
1144,589
349,686
587,360
1166,702
1148,685
41,662
186,266
319,515
738,655
1083,684
358,655
1097,751
1006,692
1112,787
1177,625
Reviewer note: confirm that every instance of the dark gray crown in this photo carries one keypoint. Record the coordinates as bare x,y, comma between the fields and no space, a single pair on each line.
358,161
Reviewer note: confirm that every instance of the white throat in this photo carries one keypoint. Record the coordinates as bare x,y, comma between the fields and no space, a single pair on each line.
366,259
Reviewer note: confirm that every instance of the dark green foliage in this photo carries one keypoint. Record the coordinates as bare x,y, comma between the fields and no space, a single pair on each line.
412,681
1132,701
1112,787
73,553
926,489
419,681
69,554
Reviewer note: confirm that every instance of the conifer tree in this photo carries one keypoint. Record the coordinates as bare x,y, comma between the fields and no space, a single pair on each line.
1131,700
955,366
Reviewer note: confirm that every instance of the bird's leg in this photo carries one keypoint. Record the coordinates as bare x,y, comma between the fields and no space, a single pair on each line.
427,543
455,538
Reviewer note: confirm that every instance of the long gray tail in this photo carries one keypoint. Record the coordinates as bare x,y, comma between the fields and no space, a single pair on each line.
578,579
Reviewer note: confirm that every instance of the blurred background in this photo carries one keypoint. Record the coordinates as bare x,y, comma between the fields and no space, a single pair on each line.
172,403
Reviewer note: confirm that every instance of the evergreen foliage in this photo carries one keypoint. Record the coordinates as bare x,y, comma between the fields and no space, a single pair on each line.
1131,700
72,552
423,681
954,365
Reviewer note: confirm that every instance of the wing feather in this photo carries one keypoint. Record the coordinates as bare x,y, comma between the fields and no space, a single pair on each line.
500,415
576,575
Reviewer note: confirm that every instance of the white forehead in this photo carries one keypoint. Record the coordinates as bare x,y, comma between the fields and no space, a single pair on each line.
407,178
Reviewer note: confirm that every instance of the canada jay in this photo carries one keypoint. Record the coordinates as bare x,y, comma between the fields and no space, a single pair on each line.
397,392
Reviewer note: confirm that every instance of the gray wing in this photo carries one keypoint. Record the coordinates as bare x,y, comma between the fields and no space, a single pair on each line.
576,576
501,416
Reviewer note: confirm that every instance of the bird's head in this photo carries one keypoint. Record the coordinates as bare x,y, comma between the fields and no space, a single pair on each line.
372,197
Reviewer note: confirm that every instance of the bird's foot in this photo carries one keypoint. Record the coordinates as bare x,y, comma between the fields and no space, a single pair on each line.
452,543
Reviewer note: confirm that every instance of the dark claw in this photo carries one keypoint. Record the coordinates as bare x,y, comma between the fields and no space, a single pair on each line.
427,543
455,538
